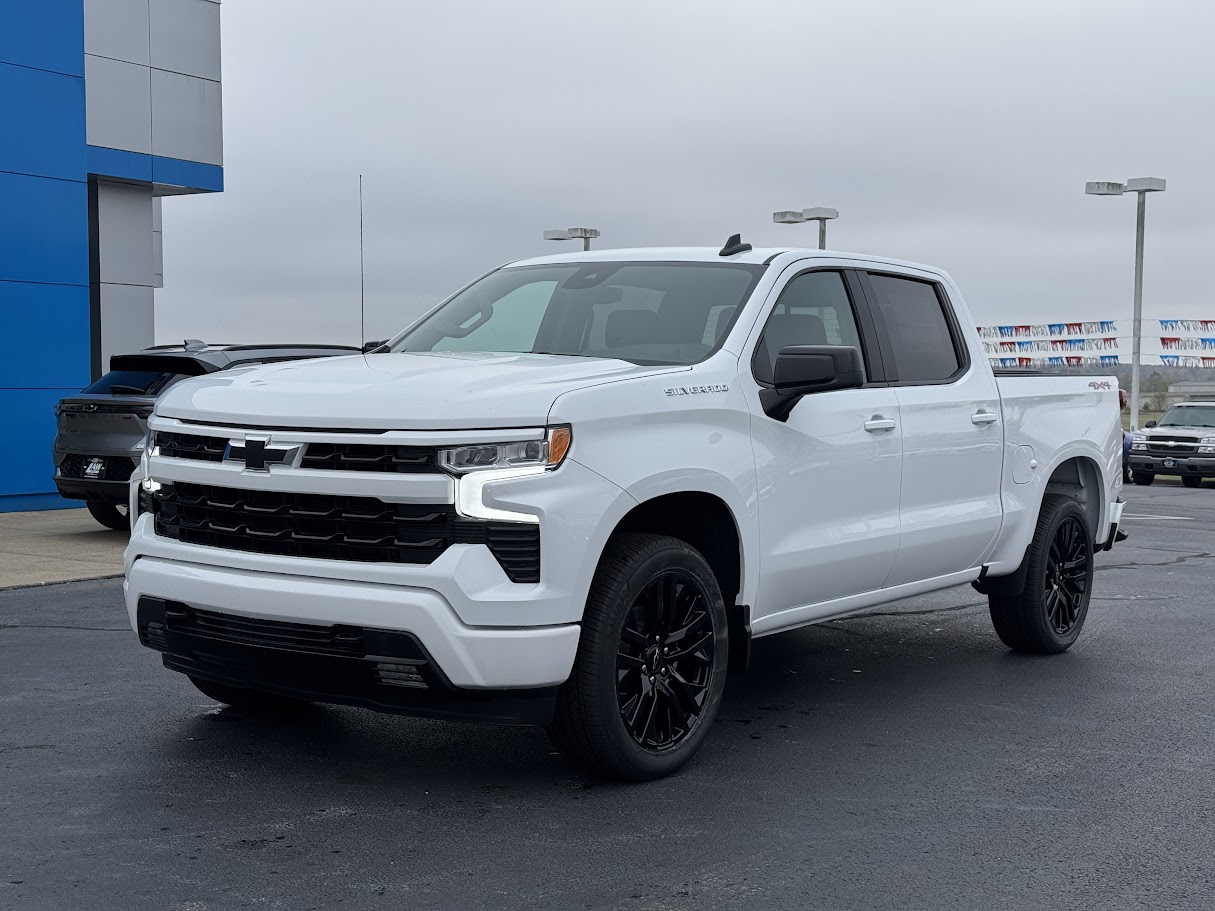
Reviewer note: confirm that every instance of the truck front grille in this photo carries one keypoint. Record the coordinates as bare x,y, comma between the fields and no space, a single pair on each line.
1172,446
369,457
333,527
381,457
191,446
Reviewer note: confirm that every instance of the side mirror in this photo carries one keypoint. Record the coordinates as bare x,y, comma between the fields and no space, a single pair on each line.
807,369
369,347
1149,425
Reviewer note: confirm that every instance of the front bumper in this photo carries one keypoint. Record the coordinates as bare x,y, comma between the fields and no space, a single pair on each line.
1182,465
116,492
468,668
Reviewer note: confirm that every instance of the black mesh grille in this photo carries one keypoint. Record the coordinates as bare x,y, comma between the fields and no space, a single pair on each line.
1181,446
191,446
113,468
369,457
331,527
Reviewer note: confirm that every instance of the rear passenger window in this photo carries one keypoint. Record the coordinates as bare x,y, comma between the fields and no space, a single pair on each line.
814,309
920,338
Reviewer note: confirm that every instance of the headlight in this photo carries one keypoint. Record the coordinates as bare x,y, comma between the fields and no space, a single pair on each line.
1138,447
1137,437
1207,441
546,454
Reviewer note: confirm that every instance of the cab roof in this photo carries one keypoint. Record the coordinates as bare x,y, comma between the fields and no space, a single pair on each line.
755,256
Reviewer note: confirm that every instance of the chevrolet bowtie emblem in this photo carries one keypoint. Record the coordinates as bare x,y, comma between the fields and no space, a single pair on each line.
257,454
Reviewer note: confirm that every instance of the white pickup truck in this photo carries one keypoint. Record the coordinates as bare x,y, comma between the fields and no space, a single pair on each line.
572,494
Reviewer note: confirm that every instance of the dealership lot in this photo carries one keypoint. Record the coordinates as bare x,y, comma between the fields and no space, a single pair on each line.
902,759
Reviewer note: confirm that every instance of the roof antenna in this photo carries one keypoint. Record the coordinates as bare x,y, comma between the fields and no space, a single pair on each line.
734,245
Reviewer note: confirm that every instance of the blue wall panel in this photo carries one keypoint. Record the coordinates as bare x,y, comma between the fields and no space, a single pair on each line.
44,230
45,339
29,468
120,163
41,123
47,34
192,174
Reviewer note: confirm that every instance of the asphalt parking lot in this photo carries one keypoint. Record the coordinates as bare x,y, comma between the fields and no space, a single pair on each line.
903,759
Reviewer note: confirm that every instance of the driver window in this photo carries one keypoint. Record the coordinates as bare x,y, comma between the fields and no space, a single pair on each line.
814,309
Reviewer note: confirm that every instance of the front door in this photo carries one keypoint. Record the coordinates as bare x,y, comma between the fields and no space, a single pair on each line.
828,476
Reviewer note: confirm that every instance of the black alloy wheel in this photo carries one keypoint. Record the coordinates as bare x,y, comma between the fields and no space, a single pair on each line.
651,665
1046,616
664,662
1067,575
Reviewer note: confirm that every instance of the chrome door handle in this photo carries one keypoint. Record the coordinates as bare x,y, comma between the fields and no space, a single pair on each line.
877,424
984,417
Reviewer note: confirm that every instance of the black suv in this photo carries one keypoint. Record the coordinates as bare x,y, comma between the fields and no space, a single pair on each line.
100,432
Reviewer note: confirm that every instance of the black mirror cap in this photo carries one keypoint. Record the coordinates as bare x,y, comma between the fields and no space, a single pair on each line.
372,347
803,369
806,369
1149,425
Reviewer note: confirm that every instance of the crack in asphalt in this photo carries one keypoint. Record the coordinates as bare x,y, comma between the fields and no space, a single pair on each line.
1174,562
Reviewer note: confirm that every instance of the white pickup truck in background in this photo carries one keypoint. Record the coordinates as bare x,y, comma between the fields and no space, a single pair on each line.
574,492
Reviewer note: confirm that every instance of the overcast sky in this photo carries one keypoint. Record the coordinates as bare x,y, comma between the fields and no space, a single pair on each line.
953,133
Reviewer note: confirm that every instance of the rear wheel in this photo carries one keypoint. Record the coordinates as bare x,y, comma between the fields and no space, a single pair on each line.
651,663
110,515
240,697
1047,615
1191,481
1143,478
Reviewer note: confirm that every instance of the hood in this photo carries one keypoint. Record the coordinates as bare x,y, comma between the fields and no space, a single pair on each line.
422,391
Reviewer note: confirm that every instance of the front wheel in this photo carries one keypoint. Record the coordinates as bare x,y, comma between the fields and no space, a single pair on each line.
110,515
1191,481
651,663
1143,478
1047,615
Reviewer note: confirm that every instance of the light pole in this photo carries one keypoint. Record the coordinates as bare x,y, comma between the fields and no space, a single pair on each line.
1141,186
818,213
571,233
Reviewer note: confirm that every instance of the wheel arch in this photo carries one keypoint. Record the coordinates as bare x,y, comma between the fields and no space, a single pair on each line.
706,522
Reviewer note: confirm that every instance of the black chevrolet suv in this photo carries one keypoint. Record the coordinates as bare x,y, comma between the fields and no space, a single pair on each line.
101,431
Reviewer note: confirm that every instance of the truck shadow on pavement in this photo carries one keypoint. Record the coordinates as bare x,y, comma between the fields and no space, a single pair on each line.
810,695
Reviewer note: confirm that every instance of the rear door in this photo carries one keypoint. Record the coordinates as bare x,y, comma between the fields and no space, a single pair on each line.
828,475
949,504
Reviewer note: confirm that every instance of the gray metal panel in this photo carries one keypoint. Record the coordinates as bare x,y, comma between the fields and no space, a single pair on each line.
124,233
118,104
185,37
117,29
158,250
127,319
187,118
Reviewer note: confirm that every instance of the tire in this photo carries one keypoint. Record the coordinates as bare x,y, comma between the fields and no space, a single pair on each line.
110,515
1143,478
1046,617
240,697
1191,481
615,714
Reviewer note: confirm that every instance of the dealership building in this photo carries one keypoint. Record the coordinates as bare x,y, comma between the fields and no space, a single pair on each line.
106,106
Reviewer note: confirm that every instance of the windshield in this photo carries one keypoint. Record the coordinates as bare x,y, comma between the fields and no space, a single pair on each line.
646,313
1190,416
132,382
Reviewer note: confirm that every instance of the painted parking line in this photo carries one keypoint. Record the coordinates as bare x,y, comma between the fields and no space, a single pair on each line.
1131,515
